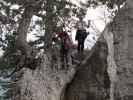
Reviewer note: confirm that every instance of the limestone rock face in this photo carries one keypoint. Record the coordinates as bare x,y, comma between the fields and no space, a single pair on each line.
91,80
123,47
44,83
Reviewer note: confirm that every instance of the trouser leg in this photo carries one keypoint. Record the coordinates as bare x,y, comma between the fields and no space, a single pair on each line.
62,58
66,58
78,46
82,46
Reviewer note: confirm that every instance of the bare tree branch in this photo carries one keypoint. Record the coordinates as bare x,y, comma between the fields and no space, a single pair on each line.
6,20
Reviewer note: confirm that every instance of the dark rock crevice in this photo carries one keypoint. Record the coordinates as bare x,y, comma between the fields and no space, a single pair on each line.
91,81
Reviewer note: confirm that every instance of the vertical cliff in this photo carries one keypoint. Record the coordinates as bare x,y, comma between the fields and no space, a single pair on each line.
123,32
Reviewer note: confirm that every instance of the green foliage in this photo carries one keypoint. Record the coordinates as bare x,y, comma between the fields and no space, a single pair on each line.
59,12
110,3
8,90
7,61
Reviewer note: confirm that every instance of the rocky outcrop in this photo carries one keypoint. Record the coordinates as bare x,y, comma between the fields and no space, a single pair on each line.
112,67
121,27
44,83
91,81
88,81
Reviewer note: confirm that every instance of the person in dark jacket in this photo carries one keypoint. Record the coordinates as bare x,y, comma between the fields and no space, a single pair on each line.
80,37
81,34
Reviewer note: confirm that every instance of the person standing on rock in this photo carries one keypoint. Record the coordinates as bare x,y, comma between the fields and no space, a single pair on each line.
81,34
65,46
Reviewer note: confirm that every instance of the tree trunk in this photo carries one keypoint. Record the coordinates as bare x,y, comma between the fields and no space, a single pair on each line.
21,39
49,25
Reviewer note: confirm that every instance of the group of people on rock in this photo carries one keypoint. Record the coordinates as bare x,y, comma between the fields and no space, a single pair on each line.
66,43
